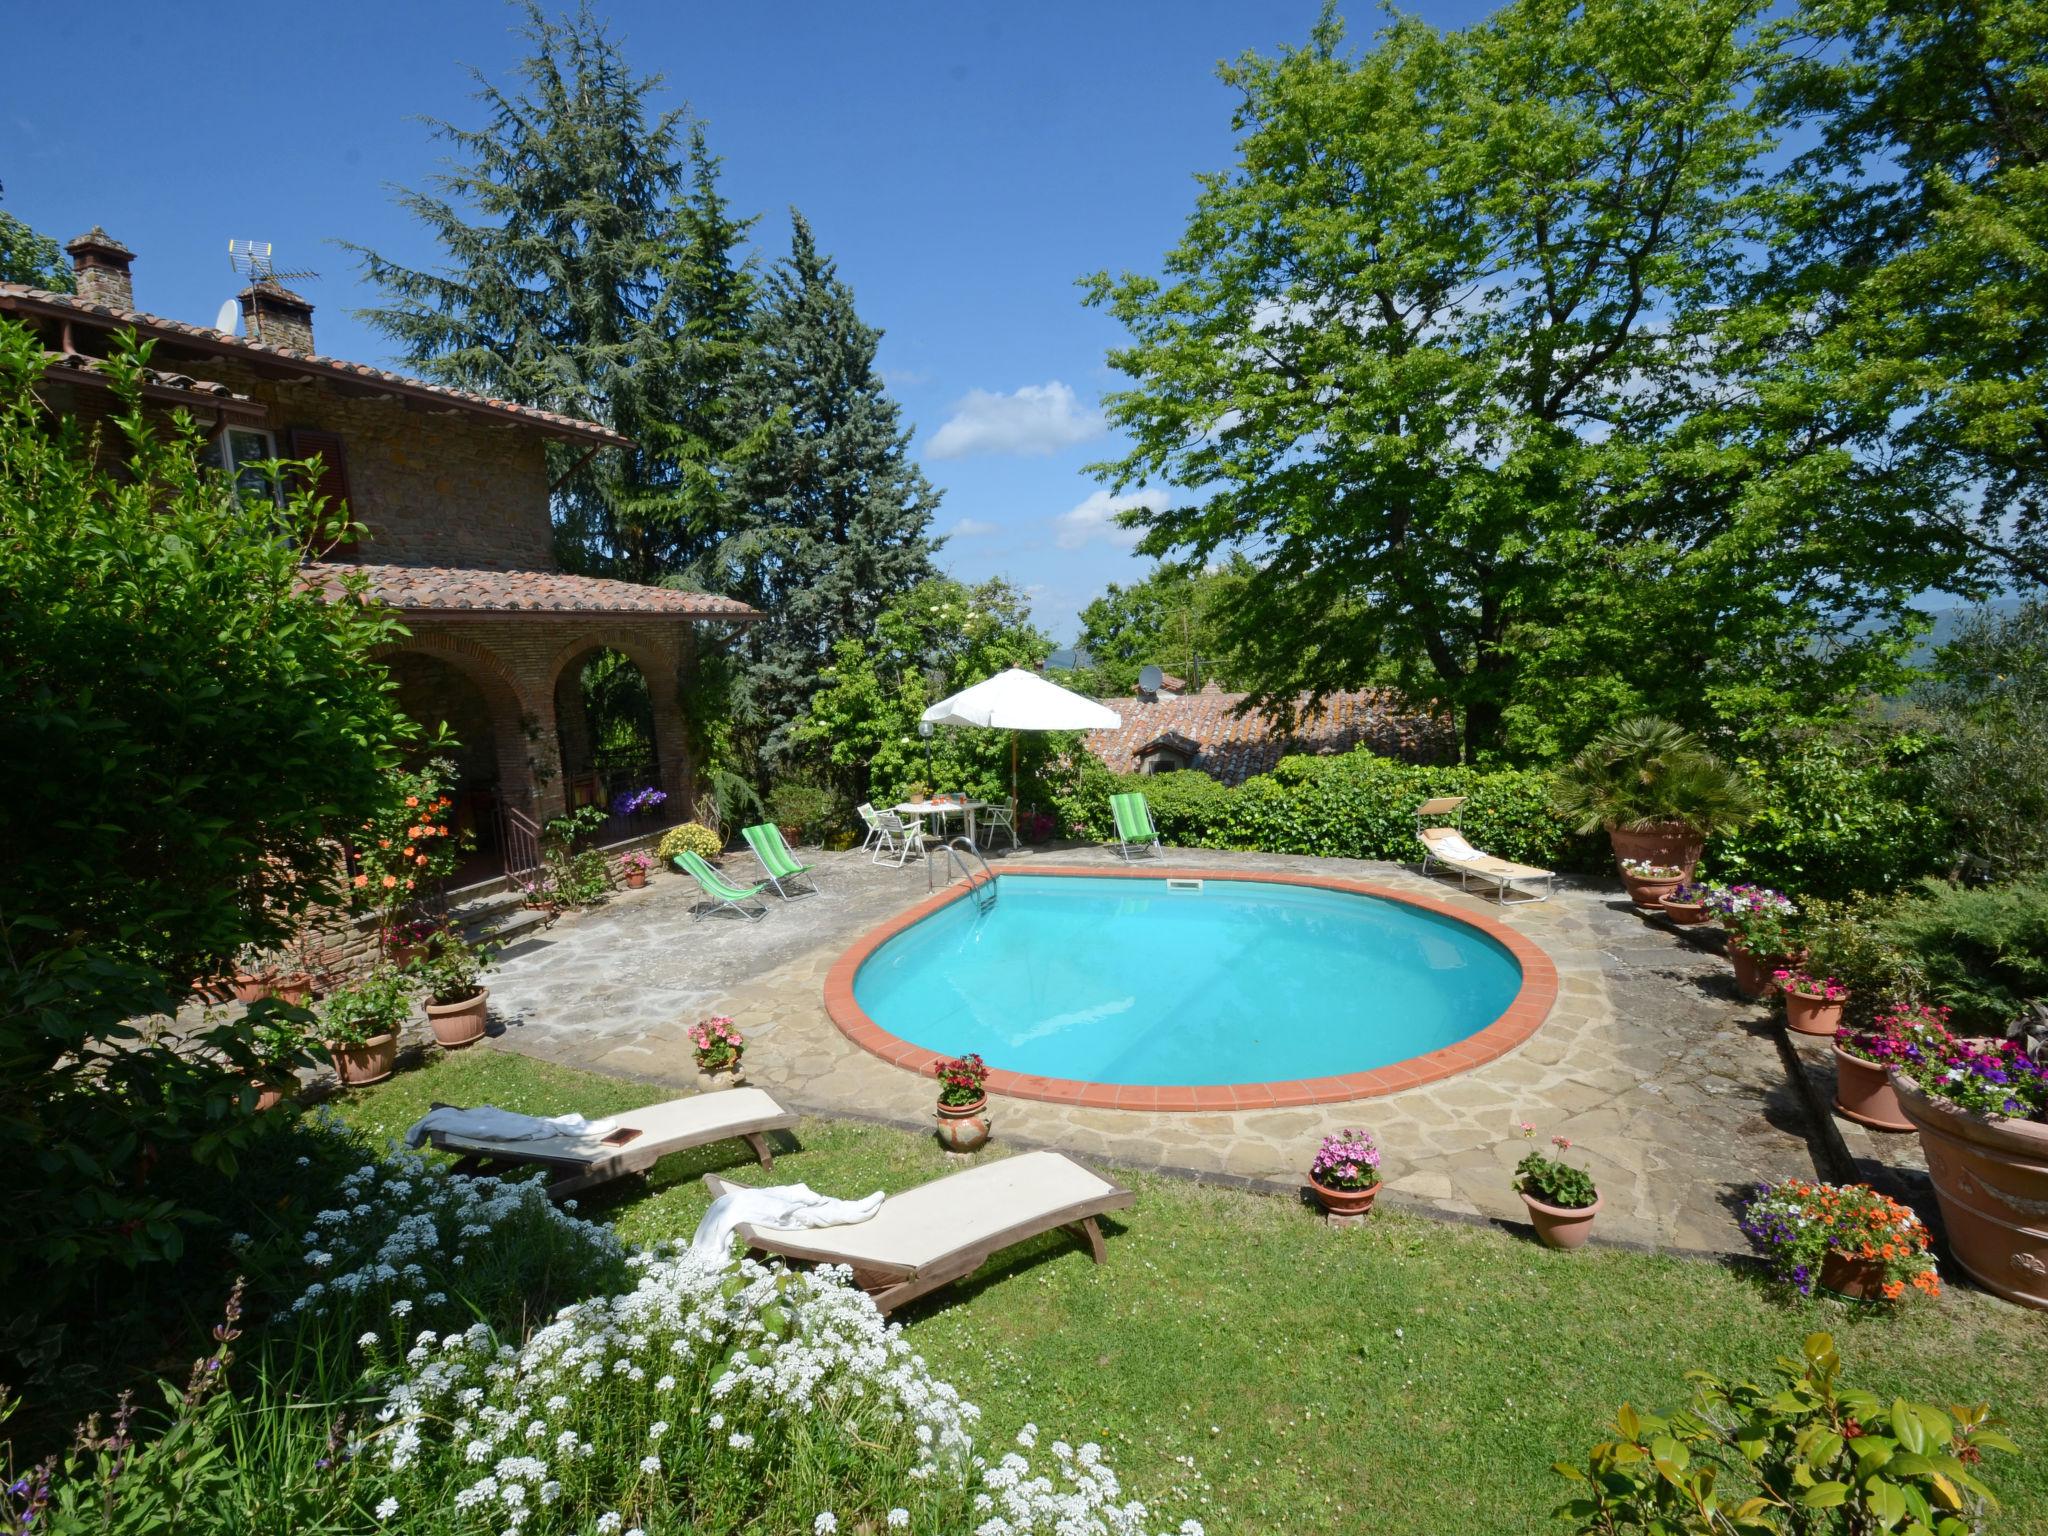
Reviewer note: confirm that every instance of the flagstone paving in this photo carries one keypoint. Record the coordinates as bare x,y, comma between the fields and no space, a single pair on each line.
1671,1087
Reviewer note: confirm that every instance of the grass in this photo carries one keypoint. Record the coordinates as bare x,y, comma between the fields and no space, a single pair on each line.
1243,1362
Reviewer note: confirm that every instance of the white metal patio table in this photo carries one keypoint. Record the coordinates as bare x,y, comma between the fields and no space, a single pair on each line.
940,810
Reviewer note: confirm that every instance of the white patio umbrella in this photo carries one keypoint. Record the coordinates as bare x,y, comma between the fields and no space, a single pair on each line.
1018,700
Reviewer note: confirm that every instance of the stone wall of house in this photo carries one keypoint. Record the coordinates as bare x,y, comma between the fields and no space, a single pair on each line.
432,488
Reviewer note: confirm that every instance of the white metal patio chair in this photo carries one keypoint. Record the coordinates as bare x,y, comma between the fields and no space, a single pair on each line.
900,836
868,820
994,819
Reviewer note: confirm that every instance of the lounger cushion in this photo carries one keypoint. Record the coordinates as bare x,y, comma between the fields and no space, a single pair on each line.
923,1225
700,1117
1449,845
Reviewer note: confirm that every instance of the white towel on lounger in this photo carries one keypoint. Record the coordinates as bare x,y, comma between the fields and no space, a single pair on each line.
489,1123
785,1206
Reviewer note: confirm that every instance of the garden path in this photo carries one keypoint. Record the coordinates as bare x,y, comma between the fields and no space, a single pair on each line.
1671,1088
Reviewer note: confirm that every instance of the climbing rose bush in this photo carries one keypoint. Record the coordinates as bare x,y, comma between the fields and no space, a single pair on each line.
711,1398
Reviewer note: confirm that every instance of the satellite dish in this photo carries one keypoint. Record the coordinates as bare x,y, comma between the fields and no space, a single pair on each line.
230,312
1150,677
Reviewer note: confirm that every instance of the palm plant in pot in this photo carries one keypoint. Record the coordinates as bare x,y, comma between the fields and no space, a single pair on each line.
963,1102
449,974
1346,1173
1981,1108
360,1022
1655,789
1561,1198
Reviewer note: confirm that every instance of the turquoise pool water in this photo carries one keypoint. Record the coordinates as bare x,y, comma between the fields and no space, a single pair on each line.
1112,980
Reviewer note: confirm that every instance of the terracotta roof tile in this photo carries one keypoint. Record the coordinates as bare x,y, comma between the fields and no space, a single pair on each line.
12,294
447,589
1233,747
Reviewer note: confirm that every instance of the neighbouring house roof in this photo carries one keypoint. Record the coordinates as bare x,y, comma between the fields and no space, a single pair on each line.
268,357
453,590
1232,747
201,395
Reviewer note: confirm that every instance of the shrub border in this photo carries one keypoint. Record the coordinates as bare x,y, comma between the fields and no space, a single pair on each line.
1531,1006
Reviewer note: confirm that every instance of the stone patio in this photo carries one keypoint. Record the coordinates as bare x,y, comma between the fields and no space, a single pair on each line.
1672,1089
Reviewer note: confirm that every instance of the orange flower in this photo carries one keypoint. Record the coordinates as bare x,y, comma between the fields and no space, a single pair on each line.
390,881
361,881
412,799
1893,1290
408,885
383,842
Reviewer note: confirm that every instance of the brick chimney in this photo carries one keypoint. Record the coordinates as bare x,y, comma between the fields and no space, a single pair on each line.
277,317
99,265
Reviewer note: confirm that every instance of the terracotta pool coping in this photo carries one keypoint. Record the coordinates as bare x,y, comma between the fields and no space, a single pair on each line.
1531,1006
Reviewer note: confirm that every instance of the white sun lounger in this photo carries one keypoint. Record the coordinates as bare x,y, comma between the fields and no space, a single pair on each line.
1447,846
640,1138
945,1230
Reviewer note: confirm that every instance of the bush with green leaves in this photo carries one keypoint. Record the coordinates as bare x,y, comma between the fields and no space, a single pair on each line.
1979,950
364,1009
1804,1454
188,728
1646,772
1987,702
805,812
1354,806
690,837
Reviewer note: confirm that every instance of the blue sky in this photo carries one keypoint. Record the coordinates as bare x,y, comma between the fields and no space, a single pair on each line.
965,164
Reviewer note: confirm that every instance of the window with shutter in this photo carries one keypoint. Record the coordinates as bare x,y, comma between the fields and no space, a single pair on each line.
311,442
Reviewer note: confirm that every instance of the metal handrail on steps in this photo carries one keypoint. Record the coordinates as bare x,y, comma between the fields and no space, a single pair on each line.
958,852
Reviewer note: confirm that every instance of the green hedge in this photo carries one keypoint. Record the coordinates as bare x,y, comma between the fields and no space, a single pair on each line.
1358,806
1835,821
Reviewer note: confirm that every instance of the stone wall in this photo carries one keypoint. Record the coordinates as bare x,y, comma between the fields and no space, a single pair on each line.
432,488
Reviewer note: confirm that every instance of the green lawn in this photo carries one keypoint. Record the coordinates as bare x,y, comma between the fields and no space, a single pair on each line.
1241,1361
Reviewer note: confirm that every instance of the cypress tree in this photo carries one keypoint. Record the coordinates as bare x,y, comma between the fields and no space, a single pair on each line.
837,515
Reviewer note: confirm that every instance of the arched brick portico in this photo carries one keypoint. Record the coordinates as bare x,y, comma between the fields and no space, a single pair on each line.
658,653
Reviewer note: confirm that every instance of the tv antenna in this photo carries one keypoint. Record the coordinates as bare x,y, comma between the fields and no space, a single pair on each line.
252,259
1149,678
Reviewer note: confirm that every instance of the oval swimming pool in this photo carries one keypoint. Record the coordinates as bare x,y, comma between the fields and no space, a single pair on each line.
1154,982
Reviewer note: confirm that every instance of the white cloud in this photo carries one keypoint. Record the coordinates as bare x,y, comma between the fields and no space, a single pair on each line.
1037,419
972,528
1095,518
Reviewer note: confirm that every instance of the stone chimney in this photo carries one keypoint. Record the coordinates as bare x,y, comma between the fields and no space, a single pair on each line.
99,265
277,317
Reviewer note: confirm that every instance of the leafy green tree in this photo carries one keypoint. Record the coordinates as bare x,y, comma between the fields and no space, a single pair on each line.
927,643
1167,620
1449,353
559,222
1987,702
1913,245
838,515
189,727
29,256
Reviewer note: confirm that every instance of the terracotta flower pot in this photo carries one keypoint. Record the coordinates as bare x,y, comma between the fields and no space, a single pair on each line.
370,1062
1649,893
1991,1181
402,955
1672,842
462,1023
964,1127
1753,976
270,1094
249,989
1858,1279
1684,913
635,878
292,990
1561,1226
1343,1202
1808,1014
1863,1092
727,1076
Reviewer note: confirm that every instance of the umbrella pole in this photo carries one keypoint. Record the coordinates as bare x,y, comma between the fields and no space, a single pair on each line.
1013,779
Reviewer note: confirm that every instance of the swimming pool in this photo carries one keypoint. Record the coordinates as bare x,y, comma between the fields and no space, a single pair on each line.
1159,990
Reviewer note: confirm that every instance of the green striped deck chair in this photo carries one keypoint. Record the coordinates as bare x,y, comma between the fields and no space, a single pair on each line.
714,885
1135,833
777,860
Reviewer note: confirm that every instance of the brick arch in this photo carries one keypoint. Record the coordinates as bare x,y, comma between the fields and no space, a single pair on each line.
509,705
661,666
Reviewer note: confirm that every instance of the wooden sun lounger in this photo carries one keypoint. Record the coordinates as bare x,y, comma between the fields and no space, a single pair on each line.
641,1138
1503,874
945,1230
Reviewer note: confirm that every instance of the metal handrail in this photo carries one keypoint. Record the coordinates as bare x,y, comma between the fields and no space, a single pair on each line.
957,852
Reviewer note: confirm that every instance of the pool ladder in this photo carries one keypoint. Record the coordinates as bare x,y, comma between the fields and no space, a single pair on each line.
958,852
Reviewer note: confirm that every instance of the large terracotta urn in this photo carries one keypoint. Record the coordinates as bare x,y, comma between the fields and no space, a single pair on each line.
1991,1180
1670,842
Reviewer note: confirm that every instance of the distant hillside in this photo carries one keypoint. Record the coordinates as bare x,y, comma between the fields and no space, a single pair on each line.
1947,620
